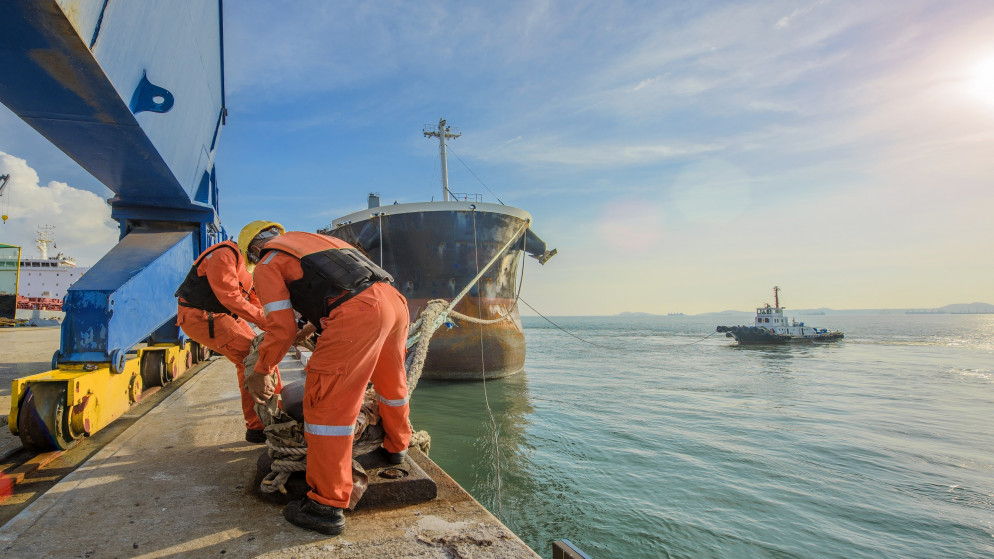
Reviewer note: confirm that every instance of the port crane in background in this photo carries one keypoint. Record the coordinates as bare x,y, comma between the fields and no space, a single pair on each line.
133,91
4,179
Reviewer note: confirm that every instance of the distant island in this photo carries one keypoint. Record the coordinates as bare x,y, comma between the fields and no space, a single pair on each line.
960,308
957,308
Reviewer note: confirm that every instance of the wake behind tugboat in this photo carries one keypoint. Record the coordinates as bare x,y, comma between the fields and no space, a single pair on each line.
772,327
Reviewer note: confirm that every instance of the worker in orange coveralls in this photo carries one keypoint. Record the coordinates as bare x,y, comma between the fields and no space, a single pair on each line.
214,302
364,324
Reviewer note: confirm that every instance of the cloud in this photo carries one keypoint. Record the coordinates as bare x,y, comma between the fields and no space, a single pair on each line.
83,226
786,20
553,151
292,48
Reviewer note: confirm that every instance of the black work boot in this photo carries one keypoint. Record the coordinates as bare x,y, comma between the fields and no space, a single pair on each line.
257,436
396,457
312,515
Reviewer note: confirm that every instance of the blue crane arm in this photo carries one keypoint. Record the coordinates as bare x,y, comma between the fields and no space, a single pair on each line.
134,93
101,110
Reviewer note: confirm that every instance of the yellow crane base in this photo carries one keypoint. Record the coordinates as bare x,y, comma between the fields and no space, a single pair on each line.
53,410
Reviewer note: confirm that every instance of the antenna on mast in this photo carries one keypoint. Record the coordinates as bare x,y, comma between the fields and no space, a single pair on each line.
443,132
44,239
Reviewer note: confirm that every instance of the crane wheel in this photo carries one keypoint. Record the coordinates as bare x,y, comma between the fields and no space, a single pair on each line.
42,418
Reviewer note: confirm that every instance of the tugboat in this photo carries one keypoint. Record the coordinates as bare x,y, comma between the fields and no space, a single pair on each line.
772,327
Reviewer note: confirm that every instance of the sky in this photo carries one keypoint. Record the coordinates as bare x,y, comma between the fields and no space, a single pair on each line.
681,156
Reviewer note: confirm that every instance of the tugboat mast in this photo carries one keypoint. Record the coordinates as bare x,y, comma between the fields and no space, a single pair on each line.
776,297
442,133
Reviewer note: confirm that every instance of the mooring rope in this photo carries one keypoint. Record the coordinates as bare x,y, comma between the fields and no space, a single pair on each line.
483,368
702,339
285,436
287,447
510,308
628,349
549,320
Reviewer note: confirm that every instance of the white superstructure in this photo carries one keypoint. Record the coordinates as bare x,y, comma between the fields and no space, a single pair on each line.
47,276
773,319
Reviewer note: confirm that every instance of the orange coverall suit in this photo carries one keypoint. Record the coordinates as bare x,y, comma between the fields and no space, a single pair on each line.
232,285
363,339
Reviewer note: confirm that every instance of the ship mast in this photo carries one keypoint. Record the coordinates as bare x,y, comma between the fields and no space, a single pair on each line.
776,297
44,239
442,133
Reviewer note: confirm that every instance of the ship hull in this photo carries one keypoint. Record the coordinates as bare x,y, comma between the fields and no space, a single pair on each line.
751,335
434,250
461,350
8,304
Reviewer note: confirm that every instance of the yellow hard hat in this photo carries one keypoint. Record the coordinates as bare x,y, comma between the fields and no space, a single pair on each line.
250,232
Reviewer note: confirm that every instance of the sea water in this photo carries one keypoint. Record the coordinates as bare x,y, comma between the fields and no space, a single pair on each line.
646,437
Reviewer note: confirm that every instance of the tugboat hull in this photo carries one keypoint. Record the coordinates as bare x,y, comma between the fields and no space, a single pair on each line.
746,335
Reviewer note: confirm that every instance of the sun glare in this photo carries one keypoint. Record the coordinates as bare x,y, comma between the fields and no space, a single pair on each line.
981,82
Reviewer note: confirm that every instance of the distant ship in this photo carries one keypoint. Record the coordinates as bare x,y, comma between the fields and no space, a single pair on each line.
434,250
43,282
772,327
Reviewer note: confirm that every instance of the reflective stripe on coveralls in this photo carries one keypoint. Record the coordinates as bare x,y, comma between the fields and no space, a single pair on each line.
364,339
276,306
231,337
330,430
392,403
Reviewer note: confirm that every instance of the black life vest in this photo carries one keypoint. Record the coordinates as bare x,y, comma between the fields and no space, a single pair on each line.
196,289
331,276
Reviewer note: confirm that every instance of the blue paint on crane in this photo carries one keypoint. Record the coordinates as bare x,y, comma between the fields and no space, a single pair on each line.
126,296
150,97
97,104
100,19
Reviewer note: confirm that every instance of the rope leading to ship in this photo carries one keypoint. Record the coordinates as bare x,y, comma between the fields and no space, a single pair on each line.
596,344
702,339
567,331
483,368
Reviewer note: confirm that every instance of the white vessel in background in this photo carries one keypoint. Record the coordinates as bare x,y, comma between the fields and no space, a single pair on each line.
43,282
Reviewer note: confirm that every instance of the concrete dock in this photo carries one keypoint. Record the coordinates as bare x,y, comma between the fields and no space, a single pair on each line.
23,352
178,482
